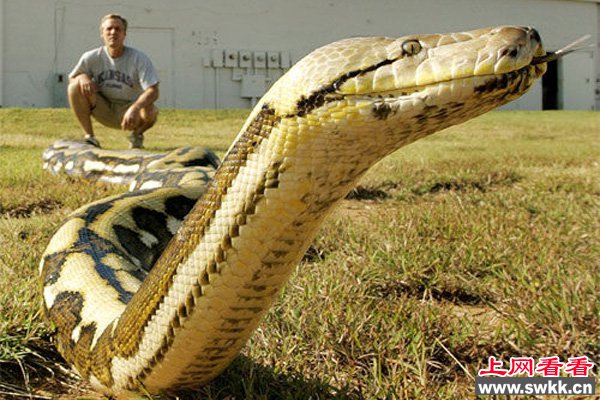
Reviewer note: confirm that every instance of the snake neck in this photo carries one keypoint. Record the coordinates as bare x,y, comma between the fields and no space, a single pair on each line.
238,247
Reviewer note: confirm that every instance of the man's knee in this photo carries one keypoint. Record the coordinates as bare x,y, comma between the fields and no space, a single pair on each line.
75,91
74,88
149,115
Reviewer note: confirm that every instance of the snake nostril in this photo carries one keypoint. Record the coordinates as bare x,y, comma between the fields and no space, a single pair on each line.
512,52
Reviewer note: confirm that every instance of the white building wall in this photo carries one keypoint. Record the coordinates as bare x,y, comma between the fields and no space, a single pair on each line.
187,40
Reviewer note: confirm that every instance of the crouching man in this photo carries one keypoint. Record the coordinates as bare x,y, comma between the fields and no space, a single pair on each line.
116,84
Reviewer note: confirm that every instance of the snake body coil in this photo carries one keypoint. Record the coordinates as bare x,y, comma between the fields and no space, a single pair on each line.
136,168
161,288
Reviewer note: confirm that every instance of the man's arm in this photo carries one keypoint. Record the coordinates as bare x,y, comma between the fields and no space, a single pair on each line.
147,98
131,119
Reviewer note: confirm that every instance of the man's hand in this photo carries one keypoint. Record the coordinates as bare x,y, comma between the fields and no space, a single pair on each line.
132,118
87,86
142,111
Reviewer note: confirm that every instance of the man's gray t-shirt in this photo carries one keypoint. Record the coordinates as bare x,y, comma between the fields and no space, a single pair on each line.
118,79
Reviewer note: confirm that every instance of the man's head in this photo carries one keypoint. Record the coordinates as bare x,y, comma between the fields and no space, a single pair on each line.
113,29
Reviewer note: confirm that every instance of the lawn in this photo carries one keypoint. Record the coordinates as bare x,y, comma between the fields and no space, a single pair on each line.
479,241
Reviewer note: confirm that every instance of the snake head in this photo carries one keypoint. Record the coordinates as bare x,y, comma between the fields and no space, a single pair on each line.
470,72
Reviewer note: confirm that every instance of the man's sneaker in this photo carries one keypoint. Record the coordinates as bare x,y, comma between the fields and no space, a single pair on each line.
136,141
91,140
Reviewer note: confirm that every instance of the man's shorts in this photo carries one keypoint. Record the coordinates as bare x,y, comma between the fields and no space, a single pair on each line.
110,112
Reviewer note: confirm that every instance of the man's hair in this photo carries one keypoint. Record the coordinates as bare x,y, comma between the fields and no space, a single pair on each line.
114,16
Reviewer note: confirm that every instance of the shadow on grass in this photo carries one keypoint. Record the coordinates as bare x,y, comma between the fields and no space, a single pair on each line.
43,374
246,379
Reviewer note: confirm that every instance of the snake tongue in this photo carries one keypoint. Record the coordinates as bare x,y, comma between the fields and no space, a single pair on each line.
555,55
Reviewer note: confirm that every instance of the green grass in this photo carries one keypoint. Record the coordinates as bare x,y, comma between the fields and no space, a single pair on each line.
482,240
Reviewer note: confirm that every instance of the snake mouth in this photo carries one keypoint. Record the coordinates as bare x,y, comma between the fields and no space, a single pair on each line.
504,86
513,82
516,81
546,58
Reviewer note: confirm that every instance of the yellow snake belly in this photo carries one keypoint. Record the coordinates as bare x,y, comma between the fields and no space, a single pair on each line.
145,294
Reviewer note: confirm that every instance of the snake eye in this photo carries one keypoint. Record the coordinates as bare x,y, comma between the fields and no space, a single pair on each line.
411,47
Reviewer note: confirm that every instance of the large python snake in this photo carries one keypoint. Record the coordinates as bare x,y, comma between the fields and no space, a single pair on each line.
160,288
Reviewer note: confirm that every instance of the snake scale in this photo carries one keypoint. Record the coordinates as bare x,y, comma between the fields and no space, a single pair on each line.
160,288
